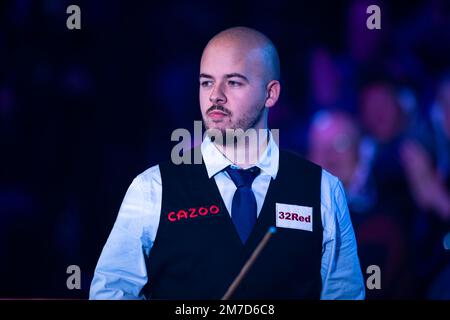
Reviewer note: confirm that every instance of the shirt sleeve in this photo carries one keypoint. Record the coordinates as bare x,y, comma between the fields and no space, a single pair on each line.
341,272
121,271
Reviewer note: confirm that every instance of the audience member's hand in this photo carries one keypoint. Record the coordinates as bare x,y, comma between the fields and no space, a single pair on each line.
426,186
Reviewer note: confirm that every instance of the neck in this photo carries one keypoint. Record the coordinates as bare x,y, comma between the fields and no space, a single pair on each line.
246,149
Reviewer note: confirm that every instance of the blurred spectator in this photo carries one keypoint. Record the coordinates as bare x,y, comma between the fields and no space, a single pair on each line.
380,113
334,143
385,123
440,117
429,182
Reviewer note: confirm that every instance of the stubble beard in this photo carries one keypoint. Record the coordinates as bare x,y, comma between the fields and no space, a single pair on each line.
246,122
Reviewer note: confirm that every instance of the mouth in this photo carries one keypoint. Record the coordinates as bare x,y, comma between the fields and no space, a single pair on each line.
217,115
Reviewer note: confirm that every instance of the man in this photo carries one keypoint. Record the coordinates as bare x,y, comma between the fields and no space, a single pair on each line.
185,231
334,144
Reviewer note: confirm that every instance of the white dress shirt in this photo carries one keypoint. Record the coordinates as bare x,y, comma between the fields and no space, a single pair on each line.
121,271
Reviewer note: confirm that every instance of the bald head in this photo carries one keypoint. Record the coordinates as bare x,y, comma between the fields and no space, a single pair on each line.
239,73
247,42
334,143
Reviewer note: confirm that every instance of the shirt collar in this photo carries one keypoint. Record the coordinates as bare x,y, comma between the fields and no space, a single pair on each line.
215,161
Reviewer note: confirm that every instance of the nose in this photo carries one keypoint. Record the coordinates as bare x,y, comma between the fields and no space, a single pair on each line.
217,95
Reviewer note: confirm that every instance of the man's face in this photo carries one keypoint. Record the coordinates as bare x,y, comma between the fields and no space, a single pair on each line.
380,114
232,87
334,145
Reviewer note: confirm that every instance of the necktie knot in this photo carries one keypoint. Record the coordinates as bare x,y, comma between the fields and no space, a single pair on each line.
243,177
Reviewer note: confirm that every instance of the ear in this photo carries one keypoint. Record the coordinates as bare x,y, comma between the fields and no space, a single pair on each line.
273,93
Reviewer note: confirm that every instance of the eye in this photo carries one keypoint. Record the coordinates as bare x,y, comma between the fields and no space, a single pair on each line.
206,83
233,83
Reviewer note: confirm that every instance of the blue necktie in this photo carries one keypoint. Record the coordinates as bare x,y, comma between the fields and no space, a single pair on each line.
243,207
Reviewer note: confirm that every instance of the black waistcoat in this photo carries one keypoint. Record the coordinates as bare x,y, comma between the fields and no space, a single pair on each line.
197,252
